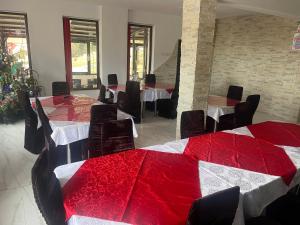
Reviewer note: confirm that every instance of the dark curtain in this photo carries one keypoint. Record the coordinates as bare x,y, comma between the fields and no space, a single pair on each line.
68,51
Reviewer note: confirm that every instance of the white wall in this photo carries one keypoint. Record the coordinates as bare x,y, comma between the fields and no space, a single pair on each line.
46,35
114,22
166,32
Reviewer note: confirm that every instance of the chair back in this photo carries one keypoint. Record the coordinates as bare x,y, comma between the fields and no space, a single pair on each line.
215,209
110,137
192,123
99,115
123,102
242,114
150,79
57,155
253,100
103,113
34,140
235,92
60,88
112,79
102,94
133,92
47,192
44,119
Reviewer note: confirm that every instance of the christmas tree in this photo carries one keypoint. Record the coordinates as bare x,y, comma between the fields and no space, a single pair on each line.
10,84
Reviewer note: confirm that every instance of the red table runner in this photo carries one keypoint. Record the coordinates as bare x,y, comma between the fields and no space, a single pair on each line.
221,101
71,113
136,187
57,101
69,108
242,152
277,133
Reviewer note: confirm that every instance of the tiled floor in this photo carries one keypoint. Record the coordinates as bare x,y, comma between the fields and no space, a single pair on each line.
17,205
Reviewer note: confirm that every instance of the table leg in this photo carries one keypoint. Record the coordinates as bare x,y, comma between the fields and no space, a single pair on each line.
142,109
155,108
68,154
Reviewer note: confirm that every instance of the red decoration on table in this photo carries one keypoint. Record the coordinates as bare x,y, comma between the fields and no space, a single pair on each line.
68,108
136,187
277,133
242,152
221,101
71,113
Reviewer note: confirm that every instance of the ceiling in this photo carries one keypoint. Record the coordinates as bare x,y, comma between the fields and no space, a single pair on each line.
287,8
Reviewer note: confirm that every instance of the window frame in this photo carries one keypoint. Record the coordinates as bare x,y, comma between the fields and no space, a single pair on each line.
98,54
27,33
150,27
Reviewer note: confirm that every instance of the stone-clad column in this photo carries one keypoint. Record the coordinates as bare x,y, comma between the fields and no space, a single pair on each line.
198,28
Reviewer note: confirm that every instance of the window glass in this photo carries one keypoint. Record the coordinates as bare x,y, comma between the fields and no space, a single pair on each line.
84,49
14,33
80,57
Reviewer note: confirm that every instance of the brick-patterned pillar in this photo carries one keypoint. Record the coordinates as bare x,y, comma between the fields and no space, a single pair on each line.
198,29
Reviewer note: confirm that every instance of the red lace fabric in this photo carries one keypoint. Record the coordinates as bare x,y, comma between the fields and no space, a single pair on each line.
136,187
277,133
242,152
57,101
71,113
221,101
69,108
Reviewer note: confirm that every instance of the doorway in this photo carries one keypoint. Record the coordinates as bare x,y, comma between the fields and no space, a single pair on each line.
139,51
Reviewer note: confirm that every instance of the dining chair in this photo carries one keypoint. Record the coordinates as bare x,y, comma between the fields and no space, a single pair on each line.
99,115
34,140
110,137
102,95
57,155
241,117
60,88
103,113
192,123
254,102
112,79
285,209
210,124
235,92
47,192
123,102
215,209
150,79
134,96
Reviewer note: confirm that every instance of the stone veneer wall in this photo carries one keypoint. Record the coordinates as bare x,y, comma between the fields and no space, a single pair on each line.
255,52
166,73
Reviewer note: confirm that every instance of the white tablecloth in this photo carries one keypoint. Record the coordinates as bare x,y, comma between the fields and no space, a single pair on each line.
148,95
257,189
215,111
67,132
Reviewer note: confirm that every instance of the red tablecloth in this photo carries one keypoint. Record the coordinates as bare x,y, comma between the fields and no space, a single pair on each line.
136,187
242,152
277,133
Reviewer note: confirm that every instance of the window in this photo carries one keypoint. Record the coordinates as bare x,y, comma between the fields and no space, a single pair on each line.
139,50
83,36
15,38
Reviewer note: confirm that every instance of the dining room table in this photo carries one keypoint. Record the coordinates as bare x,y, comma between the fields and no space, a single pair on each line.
149,92
69,117
157,185
219,106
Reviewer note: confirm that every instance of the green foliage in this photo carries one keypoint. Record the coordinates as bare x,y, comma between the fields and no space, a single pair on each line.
12,80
